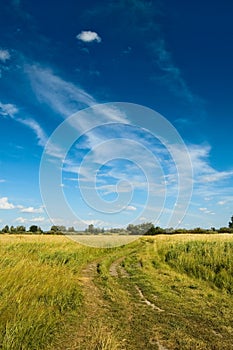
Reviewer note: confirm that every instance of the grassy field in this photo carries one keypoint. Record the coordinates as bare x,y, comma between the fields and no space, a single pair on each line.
163,292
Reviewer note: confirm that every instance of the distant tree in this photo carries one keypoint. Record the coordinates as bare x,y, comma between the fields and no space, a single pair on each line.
57,230
71,229
5,229
20,229
61,228
114,230
130,228
198,230
231,223
12,229
179,231
54,228
154,231
146,228
224,230
91,228
33,229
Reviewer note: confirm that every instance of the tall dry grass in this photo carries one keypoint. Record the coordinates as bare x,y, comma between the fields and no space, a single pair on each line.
40,290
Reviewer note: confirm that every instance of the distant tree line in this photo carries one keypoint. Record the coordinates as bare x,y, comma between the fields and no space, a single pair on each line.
150,230
146,228
34,229
21,229
94,230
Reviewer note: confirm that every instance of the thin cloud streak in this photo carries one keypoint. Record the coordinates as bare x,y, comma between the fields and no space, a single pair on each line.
12,111
37,129
63,97
172,75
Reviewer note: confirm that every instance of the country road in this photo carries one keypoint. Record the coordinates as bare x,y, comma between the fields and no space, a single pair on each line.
114,309
134,301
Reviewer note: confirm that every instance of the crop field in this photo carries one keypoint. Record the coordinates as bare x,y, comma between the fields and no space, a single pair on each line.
166,292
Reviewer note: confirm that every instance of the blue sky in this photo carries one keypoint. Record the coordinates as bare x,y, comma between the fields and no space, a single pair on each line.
60,57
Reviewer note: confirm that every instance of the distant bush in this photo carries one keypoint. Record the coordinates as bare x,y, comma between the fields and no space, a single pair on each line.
225,230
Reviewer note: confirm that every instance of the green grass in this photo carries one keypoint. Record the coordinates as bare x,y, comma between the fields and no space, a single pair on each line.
197,312
211,261
45,303
39,288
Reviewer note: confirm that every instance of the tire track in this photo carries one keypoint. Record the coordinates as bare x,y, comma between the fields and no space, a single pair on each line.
117,270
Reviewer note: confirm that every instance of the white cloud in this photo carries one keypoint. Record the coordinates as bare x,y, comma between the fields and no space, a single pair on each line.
225,199
215,176
23,220
4,204
4,55
97,223
222,202
8,110
131,208
32,210
206,211
36,128
203,171
88,36
63,97
38,219
2,180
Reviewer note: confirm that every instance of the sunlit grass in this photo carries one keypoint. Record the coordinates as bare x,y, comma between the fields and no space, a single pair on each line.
208,260
187,276
39,288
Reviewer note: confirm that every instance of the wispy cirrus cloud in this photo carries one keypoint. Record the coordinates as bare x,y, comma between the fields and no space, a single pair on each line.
171,73
62,96
204,173
36,128
12,111
65,98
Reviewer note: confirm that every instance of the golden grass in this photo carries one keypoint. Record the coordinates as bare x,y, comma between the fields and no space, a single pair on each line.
39,288
187,276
